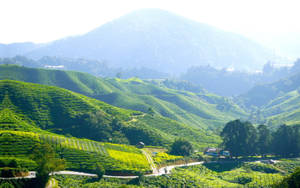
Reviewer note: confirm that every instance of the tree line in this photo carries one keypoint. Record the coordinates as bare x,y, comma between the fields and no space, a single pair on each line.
244,139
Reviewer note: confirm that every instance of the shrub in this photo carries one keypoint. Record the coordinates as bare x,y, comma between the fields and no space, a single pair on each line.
181,147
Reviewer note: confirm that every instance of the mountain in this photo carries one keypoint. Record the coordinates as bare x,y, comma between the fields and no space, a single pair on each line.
160,40
94,67
11,50
177,100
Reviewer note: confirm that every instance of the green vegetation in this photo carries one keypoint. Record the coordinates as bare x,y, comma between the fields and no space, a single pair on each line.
181,147
239,138
292,181
276,103
243,139
33,106
230,174
80,154
167,98
44,156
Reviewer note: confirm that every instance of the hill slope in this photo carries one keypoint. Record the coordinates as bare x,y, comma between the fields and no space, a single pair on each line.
262,94
276,103
165,97
64,112
162,41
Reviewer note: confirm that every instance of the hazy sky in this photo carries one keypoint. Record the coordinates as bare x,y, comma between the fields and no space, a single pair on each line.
43,21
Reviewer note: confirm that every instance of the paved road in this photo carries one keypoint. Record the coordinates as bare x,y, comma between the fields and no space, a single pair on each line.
65,172
32,174
159,172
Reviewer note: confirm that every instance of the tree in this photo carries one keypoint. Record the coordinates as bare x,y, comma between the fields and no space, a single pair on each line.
286,141
44,156
282,141
264,140
239,138
100,170
181,147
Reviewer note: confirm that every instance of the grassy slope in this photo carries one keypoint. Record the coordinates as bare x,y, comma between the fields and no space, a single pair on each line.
284,109
278,102
80,154
263,94
65,112
198,110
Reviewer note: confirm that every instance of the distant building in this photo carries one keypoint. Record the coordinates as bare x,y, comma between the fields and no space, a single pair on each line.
216,152
225,153
211,151
140,145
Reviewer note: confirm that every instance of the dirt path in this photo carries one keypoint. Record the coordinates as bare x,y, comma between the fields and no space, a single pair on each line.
52,183
150,160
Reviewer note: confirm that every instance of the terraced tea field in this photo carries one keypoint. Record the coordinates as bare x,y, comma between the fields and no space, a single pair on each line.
80,154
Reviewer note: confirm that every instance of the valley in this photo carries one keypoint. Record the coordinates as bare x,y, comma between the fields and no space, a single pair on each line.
84,131
151,94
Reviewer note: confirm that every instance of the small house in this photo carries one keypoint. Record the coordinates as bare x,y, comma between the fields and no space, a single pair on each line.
212,152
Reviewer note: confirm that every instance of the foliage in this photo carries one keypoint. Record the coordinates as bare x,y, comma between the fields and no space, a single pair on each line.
262,167
288,165
292,181
100,170
239,138
263,145
44,156
286,141
162,158
181,147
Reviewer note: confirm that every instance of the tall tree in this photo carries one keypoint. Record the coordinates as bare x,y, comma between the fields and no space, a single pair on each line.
181,147
239,138
282,142
44,156
264,140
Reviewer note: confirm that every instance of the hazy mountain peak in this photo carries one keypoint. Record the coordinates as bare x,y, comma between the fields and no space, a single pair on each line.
160,40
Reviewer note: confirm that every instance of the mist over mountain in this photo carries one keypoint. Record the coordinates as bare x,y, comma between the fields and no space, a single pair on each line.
11,50
160,40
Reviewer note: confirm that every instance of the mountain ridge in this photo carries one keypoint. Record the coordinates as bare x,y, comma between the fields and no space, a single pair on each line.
160,40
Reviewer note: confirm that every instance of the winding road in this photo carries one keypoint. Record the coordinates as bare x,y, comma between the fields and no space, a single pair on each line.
156,172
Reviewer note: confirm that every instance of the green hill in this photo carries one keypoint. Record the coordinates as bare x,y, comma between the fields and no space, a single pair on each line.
276,103
80,154
166,98
33,113
261,95
283,110
64,112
